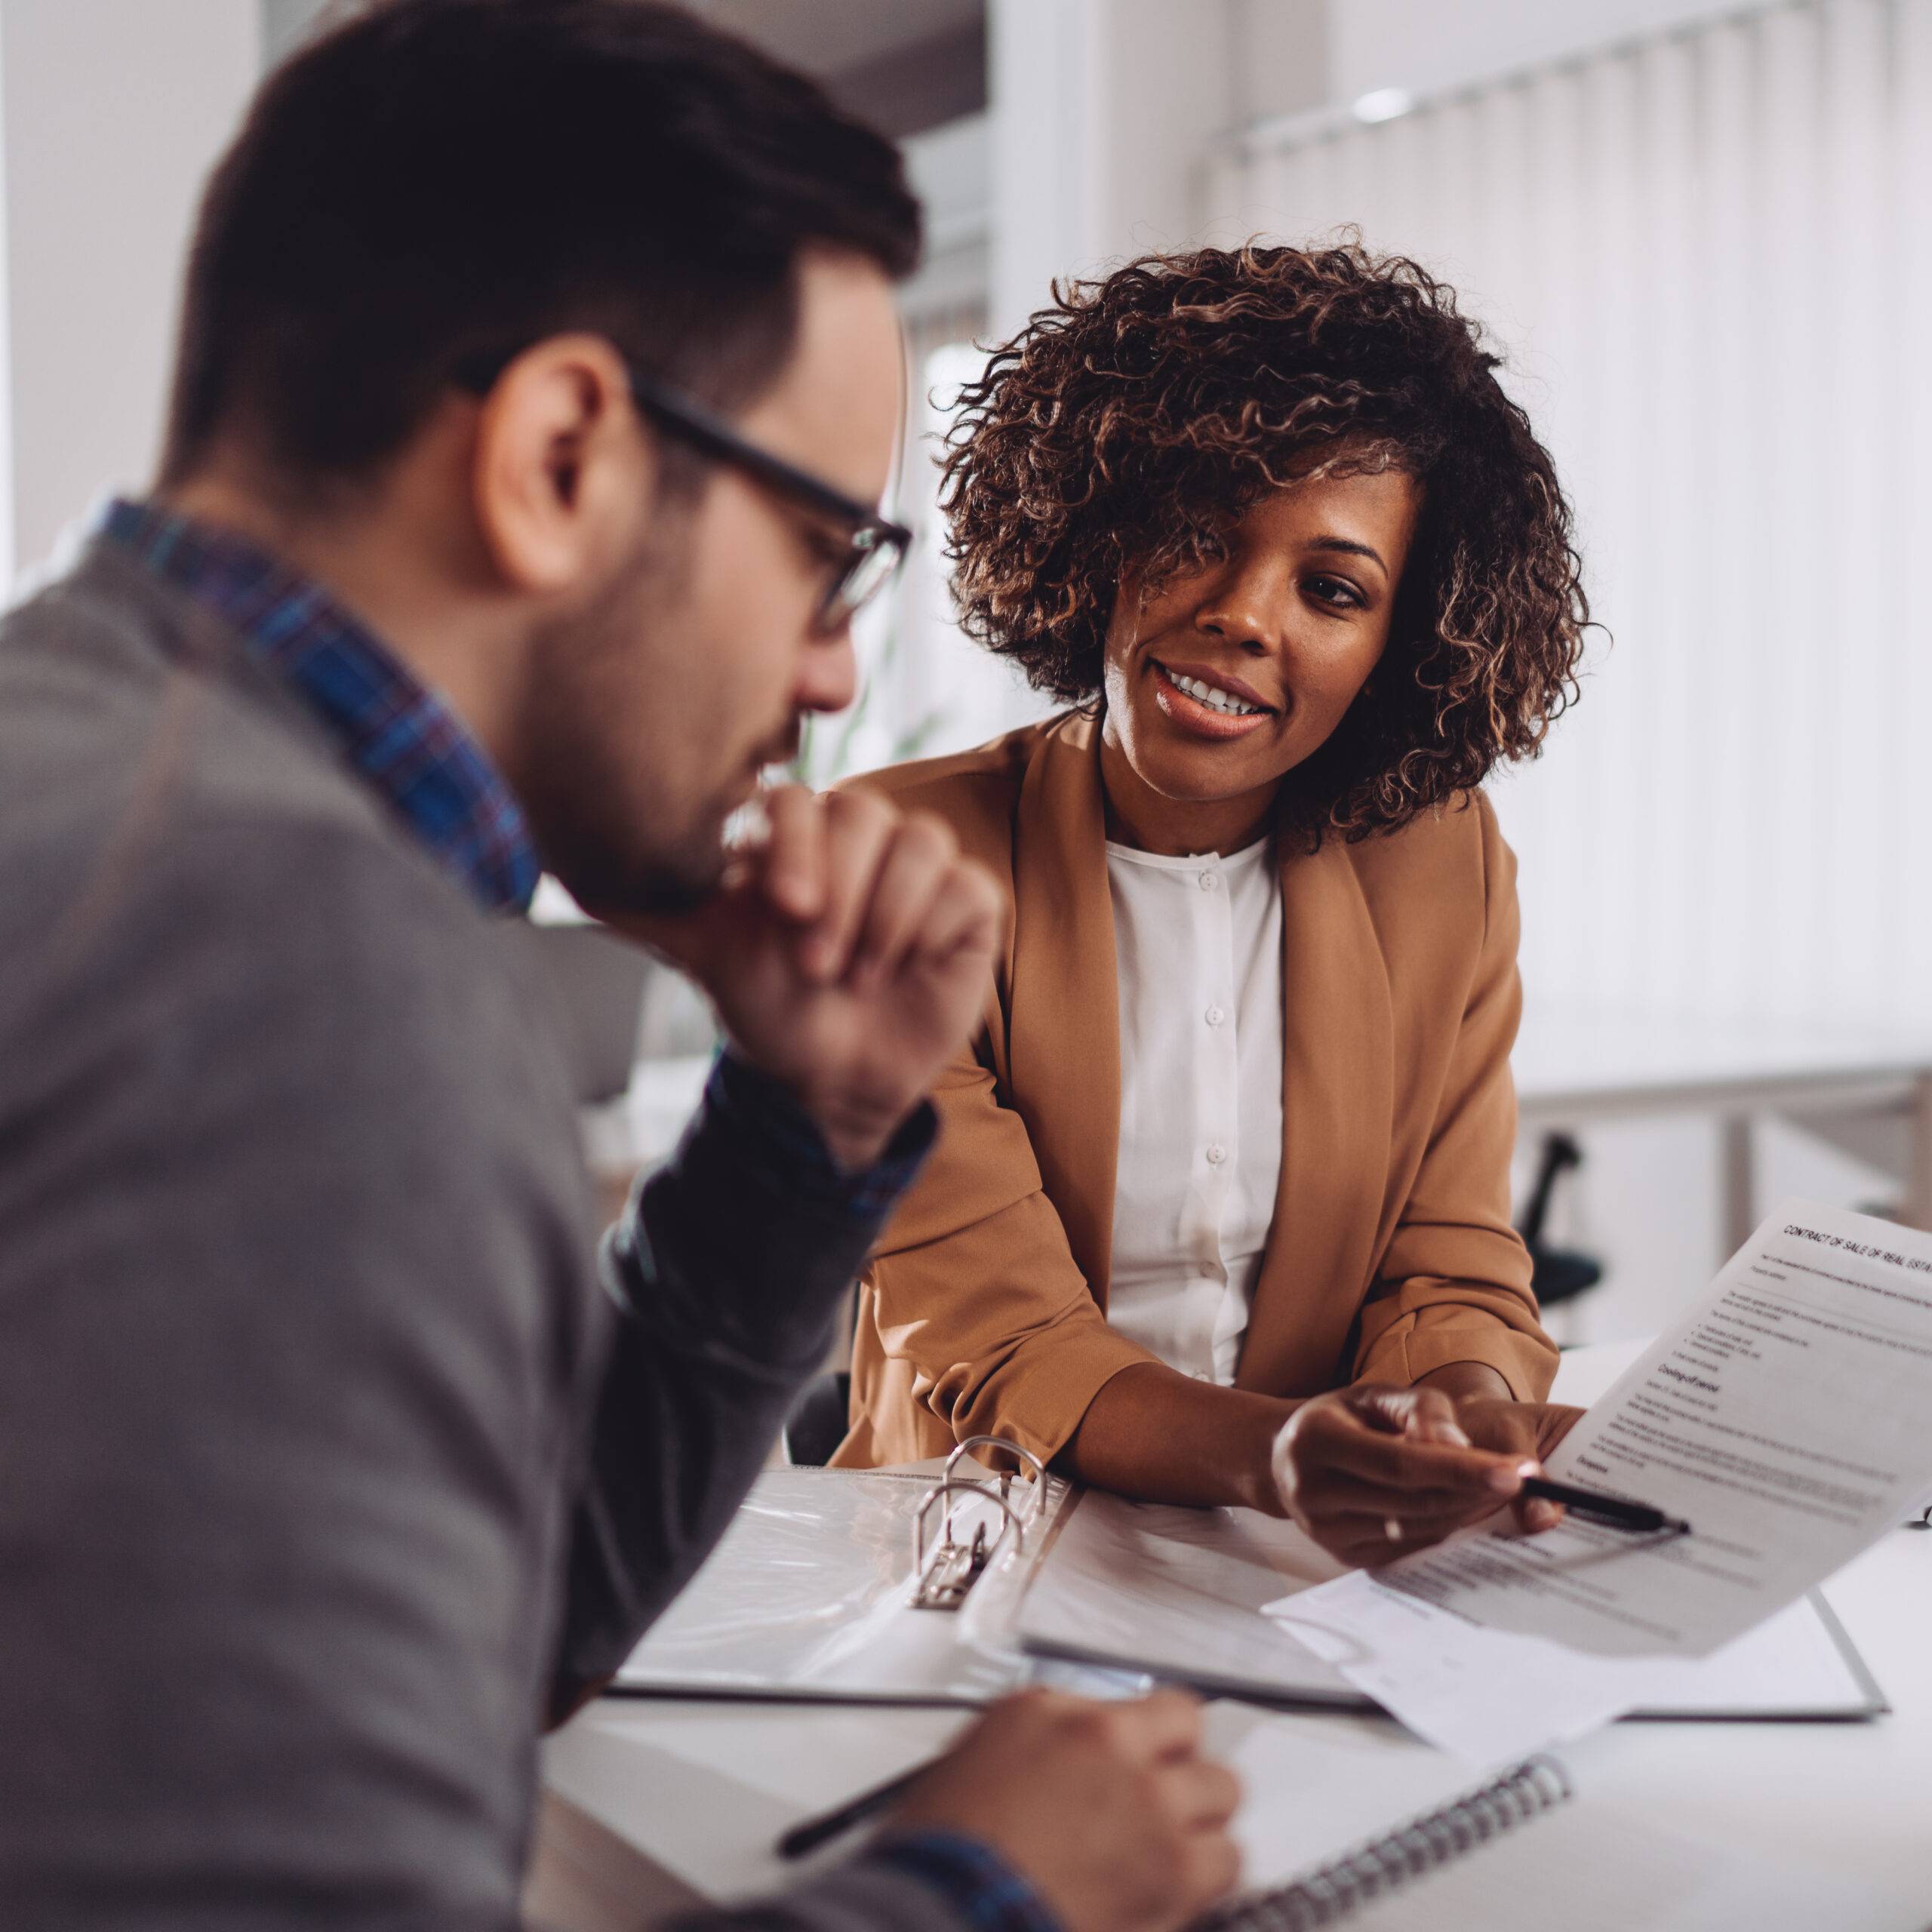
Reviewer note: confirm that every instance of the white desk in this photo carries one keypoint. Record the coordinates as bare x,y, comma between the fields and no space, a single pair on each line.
663,1775
1573,1065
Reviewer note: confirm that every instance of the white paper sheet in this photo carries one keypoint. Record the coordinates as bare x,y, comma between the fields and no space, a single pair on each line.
1144,1586
1491,1697
1175,1591
1784,1418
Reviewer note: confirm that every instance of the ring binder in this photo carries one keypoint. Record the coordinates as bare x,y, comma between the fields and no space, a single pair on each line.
1335,1892
941,1580
809,1593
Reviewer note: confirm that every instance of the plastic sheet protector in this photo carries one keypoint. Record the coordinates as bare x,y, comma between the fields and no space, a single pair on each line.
805,1597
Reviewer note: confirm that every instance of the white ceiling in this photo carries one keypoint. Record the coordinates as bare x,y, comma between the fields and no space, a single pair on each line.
829,36
822,36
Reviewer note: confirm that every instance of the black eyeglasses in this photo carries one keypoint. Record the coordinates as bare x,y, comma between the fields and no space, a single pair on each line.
875,546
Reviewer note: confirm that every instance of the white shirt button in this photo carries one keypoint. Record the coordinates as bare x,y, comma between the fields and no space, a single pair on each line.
1217,1154
1210,882
1200,1375
1215,1016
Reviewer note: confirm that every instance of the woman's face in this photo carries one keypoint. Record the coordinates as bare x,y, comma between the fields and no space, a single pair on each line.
1228,677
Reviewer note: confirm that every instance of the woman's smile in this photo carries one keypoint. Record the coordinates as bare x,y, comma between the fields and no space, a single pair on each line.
1206,703
1226,676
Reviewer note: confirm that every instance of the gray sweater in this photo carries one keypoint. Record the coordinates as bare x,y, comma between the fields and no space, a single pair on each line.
328,1461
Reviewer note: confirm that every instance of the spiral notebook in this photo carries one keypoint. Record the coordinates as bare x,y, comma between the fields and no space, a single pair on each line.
1523,1847
1341,1824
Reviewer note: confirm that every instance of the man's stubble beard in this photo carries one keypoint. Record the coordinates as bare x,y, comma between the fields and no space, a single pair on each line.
598,771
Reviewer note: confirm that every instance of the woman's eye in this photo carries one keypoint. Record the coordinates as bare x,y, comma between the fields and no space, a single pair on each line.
1333,590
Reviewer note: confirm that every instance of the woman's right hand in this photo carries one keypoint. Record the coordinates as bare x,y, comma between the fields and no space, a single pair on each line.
1372,1472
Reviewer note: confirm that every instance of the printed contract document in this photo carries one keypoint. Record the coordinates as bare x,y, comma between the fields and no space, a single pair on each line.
1784,1419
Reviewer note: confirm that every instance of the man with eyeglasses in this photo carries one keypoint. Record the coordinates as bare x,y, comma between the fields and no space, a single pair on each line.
538,376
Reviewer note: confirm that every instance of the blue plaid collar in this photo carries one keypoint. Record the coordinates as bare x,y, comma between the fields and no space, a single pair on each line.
402,739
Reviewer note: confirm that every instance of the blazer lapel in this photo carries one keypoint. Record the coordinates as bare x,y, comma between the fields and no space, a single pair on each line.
1063,1040
1337,1109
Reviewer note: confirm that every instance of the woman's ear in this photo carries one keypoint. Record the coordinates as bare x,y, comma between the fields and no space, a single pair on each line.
564,474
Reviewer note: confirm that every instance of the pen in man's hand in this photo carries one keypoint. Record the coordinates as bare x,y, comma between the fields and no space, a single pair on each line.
813,1833
1611,1509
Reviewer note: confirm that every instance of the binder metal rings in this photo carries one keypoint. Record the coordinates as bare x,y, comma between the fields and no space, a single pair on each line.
942,1576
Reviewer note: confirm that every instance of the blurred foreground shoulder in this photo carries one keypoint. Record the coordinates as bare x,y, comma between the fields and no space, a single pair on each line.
977,792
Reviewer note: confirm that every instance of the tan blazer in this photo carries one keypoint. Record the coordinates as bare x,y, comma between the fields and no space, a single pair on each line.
984,1309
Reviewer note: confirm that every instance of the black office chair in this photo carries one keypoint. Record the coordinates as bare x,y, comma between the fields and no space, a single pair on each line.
817,1423
1560,1274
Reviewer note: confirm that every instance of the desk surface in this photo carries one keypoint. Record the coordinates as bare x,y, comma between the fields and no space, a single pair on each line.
676,1780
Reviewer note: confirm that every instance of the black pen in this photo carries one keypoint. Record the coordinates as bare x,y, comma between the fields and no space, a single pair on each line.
808,1836
1610,1510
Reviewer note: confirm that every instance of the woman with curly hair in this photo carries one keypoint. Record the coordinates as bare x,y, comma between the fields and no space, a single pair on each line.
1219,1209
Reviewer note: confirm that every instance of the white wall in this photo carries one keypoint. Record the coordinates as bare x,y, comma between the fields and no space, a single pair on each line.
112,111
1102,114
1279,57
1106,115
1702,254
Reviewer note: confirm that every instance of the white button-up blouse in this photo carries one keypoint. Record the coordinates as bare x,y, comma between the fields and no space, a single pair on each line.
1197,949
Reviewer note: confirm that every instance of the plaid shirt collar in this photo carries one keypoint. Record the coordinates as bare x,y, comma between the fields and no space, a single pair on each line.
402,739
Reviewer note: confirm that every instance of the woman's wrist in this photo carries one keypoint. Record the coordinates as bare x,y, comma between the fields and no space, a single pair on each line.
1159,1436
1259,1488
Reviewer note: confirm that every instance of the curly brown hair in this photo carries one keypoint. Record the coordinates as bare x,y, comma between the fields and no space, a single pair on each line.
1129,425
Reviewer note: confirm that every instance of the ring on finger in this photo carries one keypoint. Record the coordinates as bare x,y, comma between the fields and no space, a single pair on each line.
1391,1528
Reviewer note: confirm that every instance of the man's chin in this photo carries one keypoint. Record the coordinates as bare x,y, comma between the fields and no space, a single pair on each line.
613,886
666,896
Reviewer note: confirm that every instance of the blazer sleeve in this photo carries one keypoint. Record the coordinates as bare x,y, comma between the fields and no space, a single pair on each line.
975,1284
1455,1282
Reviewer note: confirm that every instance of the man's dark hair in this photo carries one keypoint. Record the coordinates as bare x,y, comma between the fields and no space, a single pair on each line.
439,183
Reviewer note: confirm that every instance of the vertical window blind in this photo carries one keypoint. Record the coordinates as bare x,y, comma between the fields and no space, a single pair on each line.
1708,260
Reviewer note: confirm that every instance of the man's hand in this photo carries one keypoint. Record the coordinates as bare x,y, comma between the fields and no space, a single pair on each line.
1372,1473
1107,1810
847,957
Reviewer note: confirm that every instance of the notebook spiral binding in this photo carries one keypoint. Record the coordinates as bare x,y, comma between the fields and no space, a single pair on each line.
1339,1890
